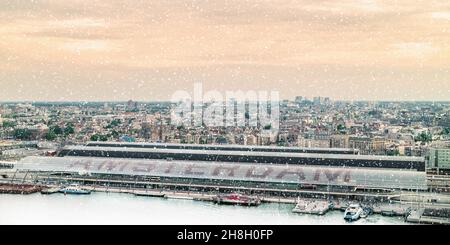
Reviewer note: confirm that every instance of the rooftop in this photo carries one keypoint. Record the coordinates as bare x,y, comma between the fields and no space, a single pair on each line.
219,147
322,175
248,153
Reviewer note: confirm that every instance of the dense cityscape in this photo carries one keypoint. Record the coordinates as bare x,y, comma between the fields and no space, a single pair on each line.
374,128
225,112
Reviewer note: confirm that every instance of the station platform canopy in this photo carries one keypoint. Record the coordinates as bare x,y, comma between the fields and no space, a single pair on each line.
273,173
226,147
336,160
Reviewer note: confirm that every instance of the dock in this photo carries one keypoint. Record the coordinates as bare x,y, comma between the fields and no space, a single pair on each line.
317,207
420,208
387,209
19,189
149,194
179,197
429,216
278,200
204,198
52,190
237,199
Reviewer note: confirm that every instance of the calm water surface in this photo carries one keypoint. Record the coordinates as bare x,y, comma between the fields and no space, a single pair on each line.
110,208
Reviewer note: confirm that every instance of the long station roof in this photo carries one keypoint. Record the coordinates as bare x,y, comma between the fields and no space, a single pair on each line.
274,173
225,147
416,163
240,153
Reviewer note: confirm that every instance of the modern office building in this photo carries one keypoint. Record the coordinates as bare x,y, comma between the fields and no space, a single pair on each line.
439,160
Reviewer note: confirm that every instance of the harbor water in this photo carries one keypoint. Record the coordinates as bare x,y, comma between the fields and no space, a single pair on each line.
112,208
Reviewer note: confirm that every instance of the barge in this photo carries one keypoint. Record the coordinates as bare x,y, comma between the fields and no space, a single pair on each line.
19,189
237,199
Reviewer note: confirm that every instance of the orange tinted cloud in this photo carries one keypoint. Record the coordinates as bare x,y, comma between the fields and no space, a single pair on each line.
116,50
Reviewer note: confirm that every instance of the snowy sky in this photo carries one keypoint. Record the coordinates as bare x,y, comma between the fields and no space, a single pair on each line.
146,49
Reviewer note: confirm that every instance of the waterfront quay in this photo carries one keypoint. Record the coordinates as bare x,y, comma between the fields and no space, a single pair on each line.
411,212
378,182
407,204
101,208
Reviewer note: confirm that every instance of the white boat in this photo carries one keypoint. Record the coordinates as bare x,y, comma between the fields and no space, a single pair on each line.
353,212
75,189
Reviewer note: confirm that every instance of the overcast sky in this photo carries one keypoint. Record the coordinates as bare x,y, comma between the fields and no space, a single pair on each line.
147,49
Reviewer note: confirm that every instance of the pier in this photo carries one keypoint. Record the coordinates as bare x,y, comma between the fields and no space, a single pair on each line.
19,189
318,207
148,193
309,189
429,216
421,213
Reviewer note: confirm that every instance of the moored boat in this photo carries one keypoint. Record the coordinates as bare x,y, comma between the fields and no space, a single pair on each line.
353,212
48,191
75,190
237,199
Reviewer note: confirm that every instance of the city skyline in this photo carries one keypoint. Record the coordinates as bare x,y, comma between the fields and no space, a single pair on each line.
115,51
168,101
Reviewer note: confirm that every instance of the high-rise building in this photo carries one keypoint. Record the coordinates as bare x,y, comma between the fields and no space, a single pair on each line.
439,159
132,105
317,100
